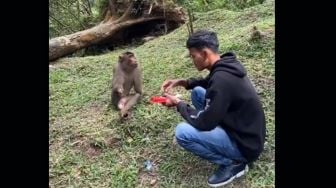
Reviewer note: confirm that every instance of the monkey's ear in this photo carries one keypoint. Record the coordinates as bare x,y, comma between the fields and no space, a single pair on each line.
120,58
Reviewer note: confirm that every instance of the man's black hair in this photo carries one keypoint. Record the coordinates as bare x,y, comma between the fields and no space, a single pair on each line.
203,39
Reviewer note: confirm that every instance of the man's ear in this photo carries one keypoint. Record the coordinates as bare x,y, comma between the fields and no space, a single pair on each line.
205,52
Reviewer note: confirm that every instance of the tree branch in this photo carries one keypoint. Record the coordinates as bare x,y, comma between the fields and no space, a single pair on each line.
59,22
126,14
112,7
78,9
89,6
69,11
150,9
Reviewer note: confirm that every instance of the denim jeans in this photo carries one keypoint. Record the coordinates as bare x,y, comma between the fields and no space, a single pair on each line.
215,145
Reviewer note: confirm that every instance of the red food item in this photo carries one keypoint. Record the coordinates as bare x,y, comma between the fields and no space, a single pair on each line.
158,99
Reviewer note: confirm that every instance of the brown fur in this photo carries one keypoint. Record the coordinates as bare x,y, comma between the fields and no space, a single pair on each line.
126,75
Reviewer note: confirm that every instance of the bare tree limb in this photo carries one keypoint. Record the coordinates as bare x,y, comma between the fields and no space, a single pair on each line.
112,7
78,9
150,9
88,7
126,14
106,15
59,22
64,45
69,11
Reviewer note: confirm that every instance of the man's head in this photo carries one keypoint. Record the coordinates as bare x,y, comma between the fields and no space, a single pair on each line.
203,49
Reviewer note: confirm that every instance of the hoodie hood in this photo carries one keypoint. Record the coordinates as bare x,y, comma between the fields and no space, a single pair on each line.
230,64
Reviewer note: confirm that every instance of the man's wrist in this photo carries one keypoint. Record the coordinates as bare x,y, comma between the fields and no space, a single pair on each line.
178,101
183,83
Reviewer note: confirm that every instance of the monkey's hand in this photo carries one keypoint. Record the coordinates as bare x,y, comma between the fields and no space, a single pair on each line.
122,103
120,91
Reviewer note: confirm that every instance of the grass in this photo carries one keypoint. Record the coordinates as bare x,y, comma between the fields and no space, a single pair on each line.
90,147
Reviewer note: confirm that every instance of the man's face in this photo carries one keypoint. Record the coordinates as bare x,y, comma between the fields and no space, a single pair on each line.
199,58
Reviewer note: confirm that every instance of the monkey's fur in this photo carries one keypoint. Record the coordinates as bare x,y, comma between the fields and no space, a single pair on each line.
256,34
127,74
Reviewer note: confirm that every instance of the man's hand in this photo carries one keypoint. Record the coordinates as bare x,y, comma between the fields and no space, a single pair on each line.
169,84
172,100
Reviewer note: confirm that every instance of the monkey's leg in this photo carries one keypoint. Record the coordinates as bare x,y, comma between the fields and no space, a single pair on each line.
131,100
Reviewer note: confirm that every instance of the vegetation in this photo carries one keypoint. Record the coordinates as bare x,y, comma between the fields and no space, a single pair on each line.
90,147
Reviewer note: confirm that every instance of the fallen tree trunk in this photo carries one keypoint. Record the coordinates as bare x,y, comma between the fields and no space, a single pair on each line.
65,45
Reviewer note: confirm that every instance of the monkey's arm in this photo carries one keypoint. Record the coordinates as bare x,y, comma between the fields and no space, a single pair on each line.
117,80
138,82
117,86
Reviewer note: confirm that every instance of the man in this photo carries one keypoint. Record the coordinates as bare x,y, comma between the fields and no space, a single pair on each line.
227,125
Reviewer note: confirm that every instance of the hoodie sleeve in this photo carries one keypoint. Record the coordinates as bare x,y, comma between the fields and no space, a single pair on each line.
217,103
193,82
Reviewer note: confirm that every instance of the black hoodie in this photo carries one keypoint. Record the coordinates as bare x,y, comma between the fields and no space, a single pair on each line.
231,102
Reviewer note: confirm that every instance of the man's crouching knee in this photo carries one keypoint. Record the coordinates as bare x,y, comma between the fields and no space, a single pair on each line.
182,131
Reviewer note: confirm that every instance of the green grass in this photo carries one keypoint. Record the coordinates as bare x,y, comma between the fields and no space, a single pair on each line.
90,147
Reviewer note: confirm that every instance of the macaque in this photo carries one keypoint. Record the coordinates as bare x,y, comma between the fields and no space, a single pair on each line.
126,75
256,34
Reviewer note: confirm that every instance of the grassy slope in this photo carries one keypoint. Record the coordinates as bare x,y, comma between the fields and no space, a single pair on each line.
89,147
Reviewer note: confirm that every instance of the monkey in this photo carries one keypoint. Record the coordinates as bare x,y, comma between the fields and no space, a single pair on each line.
256,34
127,74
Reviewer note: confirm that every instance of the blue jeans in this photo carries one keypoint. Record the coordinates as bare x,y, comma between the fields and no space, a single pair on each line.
215,145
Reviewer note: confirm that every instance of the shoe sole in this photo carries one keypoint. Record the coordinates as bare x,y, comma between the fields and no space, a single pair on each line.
239,174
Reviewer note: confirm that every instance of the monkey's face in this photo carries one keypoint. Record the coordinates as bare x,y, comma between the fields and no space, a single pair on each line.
128,61
132,61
